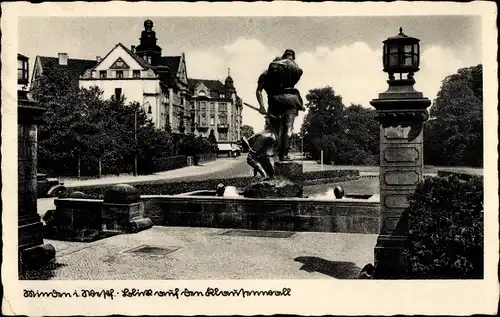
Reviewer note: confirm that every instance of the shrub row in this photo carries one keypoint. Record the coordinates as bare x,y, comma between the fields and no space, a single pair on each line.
164,187
169,163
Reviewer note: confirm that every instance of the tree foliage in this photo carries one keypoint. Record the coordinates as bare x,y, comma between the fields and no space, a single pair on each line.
247,131
213,142
346,135
446,217
80,126
454,135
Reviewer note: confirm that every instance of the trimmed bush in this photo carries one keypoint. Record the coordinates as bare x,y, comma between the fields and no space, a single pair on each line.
169,163
446,221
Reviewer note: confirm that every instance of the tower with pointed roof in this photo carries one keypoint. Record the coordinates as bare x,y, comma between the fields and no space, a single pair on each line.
148,48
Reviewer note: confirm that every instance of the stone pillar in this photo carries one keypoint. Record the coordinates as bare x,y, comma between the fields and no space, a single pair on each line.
32,250
401,112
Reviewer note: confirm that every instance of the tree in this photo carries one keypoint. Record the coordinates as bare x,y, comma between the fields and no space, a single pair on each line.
213,141
247,131
346,135
67,135
84,132
454,134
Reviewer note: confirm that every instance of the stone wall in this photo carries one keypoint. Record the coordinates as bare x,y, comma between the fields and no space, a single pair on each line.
264,214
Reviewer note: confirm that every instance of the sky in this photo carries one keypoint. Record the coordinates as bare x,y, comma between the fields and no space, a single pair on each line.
342,52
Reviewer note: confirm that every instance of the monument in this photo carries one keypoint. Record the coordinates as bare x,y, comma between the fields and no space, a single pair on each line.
282,177
401,112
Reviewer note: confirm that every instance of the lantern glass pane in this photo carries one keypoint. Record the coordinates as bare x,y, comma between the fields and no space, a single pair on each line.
407,48
407,60
415,48
393,60
394,49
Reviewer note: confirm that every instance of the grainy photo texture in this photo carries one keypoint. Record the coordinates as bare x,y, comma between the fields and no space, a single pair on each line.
248,148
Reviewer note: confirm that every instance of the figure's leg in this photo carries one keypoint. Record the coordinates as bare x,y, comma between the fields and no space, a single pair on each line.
286,137
255,164
268,165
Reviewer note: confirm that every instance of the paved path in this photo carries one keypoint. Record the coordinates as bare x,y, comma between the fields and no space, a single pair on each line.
230,167
204,253
199,172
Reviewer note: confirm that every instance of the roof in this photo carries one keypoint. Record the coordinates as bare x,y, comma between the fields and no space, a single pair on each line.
75,66
21,56
209,83
139,60
172,62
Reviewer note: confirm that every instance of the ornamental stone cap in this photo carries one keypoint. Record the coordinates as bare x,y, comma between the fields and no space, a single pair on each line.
122,194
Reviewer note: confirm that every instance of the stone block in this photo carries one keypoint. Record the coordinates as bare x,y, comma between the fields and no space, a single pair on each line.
274,188
290,170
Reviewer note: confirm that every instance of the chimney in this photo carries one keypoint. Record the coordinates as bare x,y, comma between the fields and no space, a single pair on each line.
63,58
98,59
132,48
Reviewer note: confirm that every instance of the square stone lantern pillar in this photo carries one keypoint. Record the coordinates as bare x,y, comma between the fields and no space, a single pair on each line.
33,251
401,112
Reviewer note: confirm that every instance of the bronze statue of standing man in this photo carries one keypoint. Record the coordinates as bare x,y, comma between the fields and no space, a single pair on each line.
284,103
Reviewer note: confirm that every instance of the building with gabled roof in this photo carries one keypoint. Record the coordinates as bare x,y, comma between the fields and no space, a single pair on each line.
161,85
142,74
216,106
75,66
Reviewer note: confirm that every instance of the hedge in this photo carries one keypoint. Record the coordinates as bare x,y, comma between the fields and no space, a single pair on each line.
165,187
169,163
446,235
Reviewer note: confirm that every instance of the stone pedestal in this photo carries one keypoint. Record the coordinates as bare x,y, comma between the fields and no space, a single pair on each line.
401,112
290,170
288,182
123,211
32,250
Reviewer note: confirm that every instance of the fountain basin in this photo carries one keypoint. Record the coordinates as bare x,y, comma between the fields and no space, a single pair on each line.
205,209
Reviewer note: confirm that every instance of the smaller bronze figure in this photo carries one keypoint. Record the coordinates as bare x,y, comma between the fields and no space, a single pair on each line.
284,103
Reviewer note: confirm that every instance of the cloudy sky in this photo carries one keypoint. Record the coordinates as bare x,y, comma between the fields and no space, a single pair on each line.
341,52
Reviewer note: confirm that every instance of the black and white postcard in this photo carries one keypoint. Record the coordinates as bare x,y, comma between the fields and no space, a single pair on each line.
249,158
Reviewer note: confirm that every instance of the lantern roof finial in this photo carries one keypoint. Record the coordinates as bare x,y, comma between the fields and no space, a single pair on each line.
400,30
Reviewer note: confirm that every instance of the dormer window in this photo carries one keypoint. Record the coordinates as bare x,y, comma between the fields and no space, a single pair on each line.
137,73
102,74
22,71
222,95
202,93
119,74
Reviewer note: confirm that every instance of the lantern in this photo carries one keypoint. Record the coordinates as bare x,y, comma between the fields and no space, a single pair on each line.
401,55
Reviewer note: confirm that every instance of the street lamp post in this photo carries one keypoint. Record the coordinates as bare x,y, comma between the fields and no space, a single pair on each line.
135,134
135,141
401,112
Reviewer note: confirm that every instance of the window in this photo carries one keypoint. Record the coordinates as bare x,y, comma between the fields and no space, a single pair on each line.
223,135
222,119
22,70
119,74
222,96
212,107
137,73
203,106
222,107
203,120
212,120
102,74
118,93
